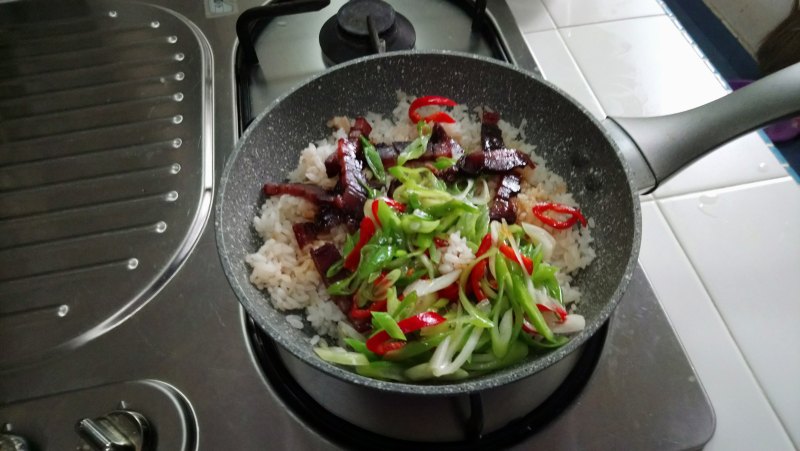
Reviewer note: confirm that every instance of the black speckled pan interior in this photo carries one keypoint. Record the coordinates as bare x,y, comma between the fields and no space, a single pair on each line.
573,142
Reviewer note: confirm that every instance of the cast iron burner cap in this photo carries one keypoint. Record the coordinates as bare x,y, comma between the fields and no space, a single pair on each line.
348,36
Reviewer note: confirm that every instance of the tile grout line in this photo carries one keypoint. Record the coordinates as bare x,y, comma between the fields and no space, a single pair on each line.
657,204
599,22
725,188
559,27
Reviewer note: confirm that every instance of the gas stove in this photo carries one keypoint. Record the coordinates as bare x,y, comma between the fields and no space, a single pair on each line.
116,320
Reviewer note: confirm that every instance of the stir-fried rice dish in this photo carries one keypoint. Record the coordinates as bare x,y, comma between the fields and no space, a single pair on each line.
422,244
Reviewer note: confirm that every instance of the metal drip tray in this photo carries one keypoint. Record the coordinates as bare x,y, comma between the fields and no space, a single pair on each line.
104,161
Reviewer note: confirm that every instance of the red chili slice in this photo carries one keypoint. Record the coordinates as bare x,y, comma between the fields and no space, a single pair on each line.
450,292
356,313
424,101
440,116
475,279
375,212
379,280
366,230
394,204
387,346
378,306
527,327
560,311
508,251
486,243
440,242
380,344
574,215
390,202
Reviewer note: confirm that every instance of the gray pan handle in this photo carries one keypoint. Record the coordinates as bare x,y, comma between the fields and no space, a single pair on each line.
666,144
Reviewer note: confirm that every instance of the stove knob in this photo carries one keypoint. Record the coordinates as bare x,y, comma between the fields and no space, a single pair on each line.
120,430
10,442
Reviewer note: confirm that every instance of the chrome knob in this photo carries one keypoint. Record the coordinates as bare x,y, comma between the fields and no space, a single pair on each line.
120,430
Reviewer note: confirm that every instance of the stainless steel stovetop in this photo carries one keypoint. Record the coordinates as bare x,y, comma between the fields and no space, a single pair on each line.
117,118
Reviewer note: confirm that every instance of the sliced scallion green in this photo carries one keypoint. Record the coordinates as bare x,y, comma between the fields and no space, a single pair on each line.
387,323
341,357
373,159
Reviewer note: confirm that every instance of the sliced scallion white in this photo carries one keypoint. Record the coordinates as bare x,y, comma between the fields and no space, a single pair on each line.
424,371
387,323
427,286
572,324
442,366
347,331
540,236
341,356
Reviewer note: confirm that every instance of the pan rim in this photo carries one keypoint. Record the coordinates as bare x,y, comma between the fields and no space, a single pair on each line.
480,383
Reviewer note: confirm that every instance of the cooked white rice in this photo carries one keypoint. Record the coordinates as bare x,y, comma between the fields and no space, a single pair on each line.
457,255
288,274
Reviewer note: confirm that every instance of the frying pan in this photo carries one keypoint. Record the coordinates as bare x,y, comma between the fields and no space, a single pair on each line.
601,163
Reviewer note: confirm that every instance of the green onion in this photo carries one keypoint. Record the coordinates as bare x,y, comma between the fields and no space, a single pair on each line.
341,357
501,271
442,361
434,252
426,262
390,221
443,163
424,371
403,306
360,347
383,370
373,159
392,303
415,224
350,243
415,348
501,333
335,268
373,258
415,274
343,287
478,318
525,299
446,222
558,341
545,275
416,148
488,361
387,323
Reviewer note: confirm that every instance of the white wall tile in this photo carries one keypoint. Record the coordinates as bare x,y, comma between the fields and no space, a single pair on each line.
531,15
567,13
648,68
745,160
641,67
744,242
558,67
745,419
